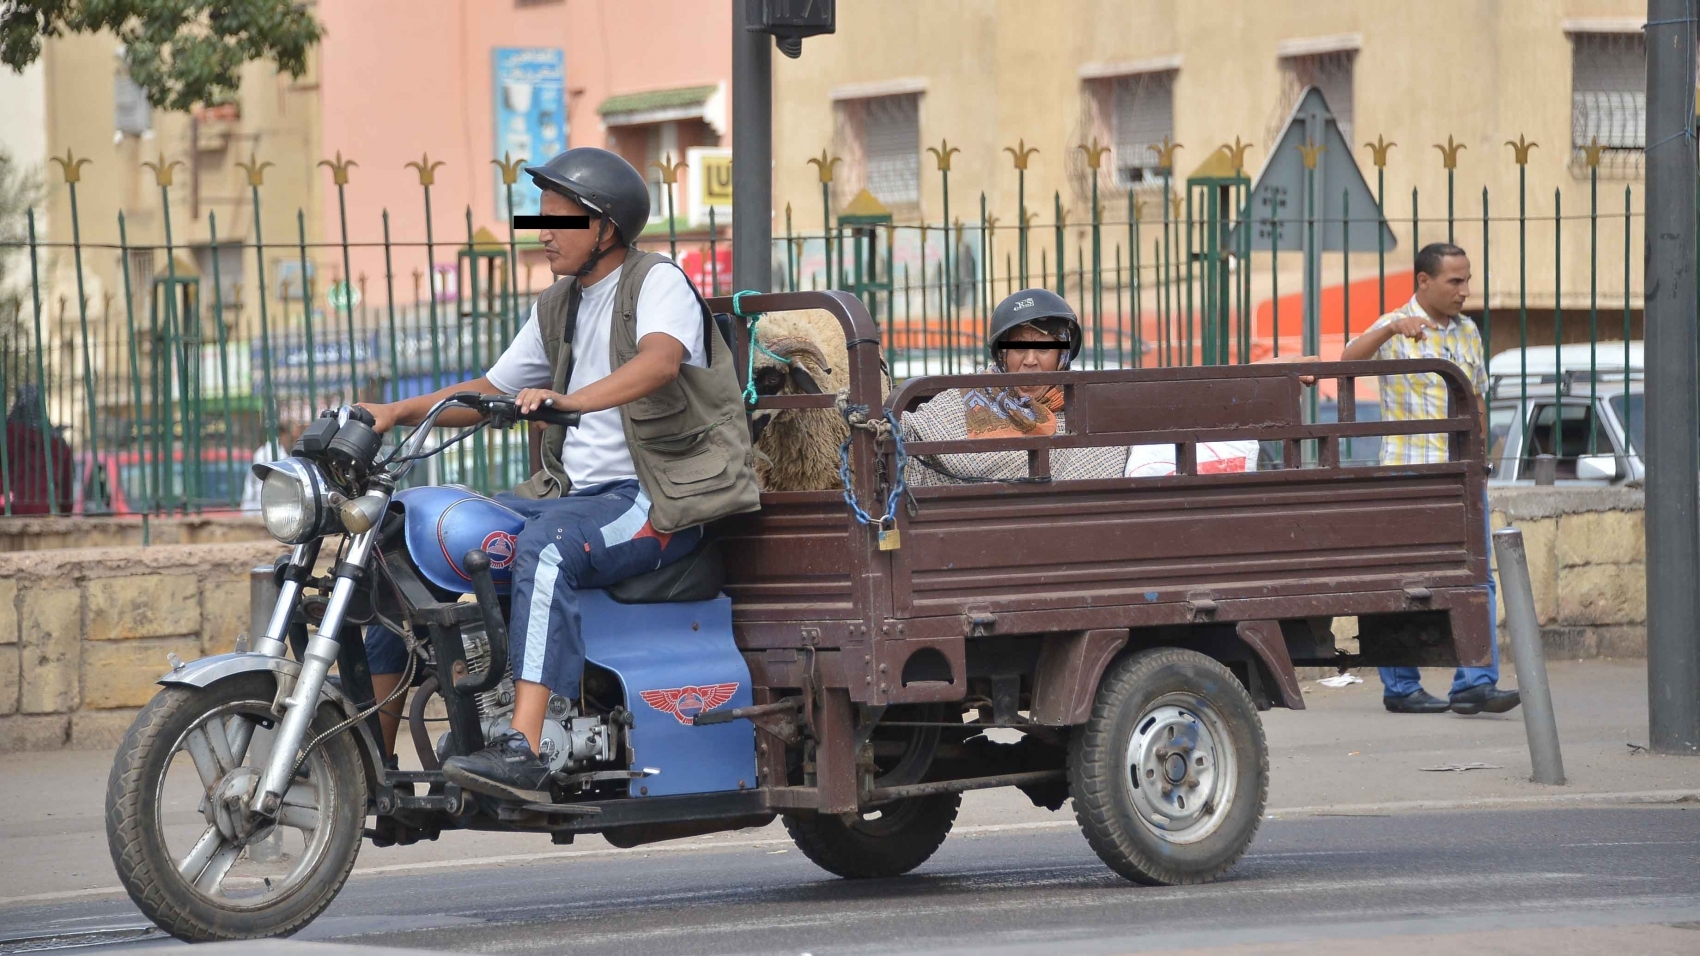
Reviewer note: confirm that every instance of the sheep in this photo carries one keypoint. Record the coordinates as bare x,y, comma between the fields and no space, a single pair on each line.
797,448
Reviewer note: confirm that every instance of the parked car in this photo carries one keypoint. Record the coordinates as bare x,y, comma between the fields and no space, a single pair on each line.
1583,405
131,482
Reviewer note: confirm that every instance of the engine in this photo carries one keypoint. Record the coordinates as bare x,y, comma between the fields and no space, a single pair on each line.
569,741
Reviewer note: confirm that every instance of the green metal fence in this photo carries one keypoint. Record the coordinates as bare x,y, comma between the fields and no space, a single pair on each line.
159,396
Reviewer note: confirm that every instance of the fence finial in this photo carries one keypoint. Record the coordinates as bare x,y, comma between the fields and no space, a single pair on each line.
1520,149
1449,152
1236,154
162,170
959,229
1592,152
427,169
256,170
339,168
1175,204
1030,218
1094,153
1139,210
669,169
1022,153
72,166
1165,154
942,153
824,164
509,167
1378,150
1310,151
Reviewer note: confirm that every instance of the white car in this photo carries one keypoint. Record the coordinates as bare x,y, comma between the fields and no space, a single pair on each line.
1581,404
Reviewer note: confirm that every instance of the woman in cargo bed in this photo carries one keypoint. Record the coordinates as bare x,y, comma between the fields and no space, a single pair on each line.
1031,331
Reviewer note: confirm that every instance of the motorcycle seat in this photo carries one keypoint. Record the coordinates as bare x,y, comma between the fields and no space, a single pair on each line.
697,577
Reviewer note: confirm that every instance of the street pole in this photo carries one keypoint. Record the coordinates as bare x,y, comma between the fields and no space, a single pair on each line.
752,155
1673,392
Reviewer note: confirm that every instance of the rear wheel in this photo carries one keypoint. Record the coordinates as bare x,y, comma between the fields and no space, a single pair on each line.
884,841
1170,773
187,860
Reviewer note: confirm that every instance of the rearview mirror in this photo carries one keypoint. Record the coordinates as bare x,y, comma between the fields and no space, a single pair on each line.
1596,468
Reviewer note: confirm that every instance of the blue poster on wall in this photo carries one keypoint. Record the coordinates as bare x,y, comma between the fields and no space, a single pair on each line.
530,114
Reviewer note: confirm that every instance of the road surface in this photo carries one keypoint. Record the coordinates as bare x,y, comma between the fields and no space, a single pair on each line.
1546,881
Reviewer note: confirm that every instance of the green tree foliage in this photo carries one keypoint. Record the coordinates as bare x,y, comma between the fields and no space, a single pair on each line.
182,52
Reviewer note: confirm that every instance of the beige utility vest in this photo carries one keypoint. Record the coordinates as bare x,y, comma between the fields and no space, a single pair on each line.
689,439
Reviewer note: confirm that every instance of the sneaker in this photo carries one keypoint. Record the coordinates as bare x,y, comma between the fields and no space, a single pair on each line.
1474,700
505,768
1418,701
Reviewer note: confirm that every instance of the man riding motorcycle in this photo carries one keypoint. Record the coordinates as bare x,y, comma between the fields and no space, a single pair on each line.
661,448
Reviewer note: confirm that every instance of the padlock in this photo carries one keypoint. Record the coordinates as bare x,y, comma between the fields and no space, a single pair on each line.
890,539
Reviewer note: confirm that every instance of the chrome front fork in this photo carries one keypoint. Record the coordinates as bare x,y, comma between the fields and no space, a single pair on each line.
322,649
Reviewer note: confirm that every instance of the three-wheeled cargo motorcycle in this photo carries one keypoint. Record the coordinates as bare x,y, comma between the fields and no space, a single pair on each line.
812,662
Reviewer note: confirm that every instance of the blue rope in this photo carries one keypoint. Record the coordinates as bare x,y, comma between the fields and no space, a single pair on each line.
750,396
901,460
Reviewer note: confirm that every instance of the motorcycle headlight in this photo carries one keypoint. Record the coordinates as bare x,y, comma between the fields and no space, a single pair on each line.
294,500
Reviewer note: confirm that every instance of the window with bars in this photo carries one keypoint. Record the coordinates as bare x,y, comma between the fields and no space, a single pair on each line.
1142,115
1331,74
879,138
1608,99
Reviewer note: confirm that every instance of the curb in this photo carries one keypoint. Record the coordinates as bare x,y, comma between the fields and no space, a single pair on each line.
1629,798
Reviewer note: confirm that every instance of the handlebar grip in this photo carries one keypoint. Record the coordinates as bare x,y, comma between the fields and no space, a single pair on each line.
550,416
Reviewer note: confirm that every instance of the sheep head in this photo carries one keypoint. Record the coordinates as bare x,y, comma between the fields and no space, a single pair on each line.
800,370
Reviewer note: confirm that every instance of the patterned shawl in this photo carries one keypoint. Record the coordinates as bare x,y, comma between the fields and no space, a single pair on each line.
956,414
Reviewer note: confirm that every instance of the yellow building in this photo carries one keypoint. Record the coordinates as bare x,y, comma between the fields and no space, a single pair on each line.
990,76
93,111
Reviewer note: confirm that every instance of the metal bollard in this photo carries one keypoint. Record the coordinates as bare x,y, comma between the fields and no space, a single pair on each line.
1546,470
1529,656
262,597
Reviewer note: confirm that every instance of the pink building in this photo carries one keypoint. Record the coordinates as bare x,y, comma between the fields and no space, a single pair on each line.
466,80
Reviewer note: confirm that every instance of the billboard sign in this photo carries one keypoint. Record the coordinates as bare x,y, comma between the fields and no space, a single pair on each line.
709,172
530,116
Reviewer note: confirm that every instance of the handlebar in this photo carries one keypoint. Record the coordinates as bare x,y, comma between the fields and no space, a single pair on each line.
501,411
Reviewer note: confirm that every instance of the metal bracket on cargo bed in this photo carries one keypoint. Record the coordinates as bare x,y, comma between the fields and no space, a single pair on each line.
1201,603
981,620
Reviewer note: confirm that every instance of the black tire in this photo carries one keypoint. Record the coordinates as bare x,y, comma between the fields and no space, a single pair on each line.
1140,831
144,861
886,841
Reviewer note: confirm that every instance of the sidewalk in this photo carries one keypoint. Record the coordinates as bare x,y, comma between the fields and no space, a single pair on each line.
1345,754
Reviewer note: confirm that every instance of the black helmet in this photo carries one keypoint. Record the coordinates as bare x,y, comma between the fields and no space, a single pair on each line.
602,182
1042,309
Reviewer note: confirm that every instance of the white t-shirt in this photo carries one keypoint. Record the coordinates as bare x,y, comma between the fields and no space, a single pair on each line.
596,451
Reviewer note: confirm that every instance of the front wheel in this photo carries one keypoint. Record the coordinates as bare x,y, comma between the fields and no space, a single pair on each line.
186,859
1170,773
885,841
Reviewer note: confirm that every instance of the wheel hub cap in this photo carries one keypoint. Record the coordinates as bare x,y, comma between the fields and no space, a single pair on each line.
1172,766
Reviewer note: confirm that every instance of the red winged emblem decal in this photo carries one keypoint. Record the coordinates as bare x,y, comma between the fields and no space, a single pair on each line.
685,703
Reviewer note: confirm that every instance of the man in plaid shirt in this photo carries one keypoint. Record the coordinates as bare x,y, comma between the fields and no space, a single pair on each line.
1431,326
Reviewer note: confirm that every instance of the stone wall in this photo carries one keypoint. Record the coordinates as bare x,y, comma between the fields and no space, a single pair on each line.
1587,567
51,533
85,633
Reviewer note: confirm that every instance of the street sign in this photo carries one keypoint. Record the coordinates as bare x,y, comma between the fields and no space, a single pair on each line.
1288,199
341,296
1311,197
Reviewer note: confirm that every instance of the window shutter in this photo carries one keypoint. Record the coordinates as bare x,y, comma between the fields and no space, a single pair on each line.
1143,116
891,142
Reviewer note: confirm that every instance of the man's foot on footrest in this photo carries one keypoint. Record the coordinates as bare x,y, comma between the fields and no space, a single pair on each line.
505,768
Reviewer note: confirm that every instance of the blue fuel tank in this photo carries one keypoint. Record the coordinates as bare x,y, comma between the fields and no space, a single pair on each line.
445,523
